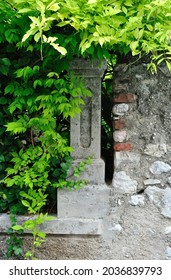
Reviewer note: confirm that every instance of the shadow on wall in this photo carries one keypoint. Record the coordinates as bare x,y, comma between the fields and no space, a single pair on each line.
107,137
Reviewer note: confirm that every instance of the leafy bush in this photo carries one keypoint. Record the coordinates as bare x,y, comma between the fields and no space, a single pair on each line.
38,97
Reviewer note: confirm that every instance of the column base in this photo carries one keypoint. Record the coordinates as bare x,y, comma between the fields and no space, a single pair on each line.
93,173
91,202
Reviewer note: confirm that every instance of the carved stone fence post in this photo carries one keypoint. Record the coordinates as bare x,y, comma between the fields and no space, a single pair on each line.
86,128
87,206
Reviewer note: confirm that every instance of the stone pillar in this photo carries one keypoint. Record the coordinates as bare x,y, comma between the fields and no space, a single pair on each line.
86,128
87,208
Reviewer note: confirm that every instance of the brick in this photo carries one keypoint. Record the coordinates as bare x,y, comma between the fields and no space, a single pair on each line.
124,98
118,124
122,147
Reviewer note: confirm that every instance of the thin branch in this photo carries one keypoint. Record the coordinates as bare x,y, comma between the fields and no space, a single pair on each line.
32,138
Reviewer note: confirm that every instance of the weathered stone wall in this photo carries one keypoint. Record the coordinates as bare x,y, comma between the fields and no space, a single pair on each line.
142,134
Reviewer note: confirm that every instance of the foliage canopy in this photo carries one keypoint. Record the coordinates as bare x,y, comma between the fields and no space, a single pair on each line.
98,27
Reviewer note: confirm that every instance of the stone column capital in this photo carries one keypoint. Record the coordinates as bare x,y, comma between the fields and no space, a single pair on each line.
88,68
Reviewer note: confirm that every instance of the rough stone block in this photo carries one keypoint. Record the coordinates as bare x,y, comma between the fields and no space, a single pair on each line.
161,198
156,150
120,109
122,183
166,201
152,182
159,167
154,194
116,229
127,158
167,230
120,136
137,200
168,253
91,202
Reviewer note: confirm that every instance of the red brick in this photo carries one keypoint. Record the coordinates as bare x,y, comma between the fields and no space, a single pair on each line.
124,98
122,147
119,124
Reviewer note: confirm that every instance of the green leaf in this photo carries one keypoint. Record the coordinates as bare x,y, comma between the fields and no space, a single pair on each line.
85,46
25,203
37,36
9,89
19,73
30,32
30,48
10,182
11,35
3,100
2,158
24,10
17,227
35,20
16,127
30,101
168,65
92,1
6,61
2,130
15,105
37,83
89,160
76,174
40,6
4,70
60,49
53,7
134,45
18,251
41,234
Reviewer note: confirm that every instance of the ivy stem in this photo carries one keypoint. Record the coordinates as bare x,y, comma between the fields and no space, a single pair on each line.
31,136
33,245
41,48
